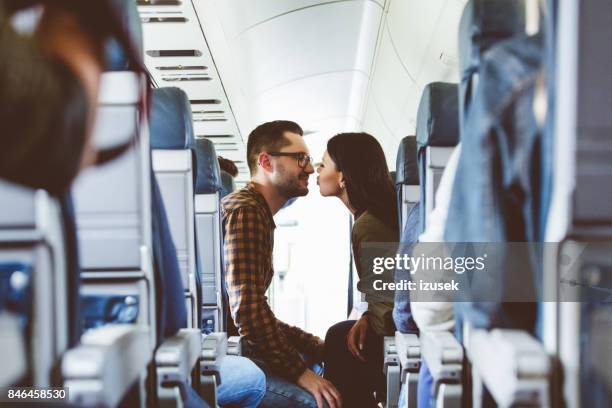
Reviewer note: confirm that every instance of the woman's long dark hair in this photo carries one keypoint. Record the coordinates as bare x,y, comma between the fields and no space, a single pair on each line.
362,162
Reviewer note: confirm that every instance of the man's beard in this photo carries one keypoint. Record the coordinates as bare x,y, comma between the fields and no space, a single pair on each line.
290,186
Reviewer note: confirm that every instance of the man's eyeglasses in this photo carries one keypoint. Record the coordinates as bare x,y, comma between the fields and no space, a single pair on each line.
303,159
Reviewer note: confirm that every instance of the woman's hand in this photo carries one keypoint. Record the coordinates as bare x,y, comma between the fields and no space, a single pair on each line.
355,338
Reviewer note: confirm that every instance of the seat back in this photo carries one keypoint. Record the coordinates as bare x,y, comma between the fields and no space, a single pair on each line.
113,201
33,286
228,183
406,178
483,24
173,144
209,236
437,135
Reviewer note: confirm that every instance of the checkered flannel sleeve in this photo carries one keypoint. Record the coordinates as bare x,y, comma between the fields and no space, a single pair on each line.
246,263
308,344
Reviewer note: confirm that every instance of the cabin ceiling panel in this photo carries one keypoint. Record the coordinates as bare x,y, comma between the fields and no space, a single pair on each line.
214,128
374,124
336,38
410,26
313,99
195,74
441,61
392,87
241,15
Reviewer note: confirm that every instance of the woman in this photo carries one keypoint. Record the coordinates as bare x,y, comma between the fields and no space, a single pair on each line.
354,169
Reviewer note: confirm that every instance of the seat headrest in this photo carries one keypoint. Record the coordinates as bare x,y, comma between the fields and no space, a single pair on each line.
208,178
171,125
406,166
116,56
438,117
483,23
228,183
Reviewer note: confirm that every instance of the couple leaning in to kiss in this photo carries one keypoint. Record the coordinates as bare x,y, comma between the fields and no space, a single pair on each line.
354,169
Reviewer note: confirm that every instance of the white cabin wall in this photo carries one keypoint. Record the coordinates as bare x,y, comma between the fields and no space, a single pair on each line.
418,45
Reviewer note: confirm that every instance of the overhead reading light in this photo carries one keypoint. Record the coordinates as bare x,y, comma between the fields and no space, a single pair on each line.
182,68
174,53
159,2
163,19
185,78
207,112
205,101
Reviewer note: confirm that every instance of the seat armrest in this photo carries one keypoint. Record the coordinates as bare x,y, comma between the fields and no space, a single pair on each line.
513,365
443,355
174,362
181,350
391,369
390,357
408,348
234,346
214,348
106,364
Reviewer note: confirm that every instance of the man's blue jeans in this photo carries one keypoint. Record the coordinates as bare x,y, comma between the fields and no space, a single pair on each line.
243,384
282,393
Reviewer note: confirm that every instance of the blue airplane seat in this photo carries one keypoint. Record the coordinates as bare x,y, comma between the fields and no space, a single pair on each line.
172,310
209,187
228,183
483,24
437,133
406,178
170,122
117,58
175,163
174,253
208,180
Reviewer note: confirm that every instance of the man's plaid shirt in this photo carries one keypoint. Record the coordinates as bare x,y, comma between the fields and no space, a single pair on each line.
249,239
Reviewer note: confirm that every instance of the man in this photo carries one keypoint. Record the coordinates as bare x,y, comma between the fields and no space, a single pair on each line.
280,165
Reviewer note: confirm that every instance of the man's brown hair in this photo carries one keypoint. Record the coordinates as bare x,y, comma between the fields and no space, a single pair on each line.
269,137
228,166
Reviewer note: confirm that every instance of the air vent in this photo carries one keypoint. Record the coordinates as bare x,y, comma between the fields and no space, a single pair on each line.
186,77
209,116
182,68
146,20
174,53
205,101
159,2
207,111
214,136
